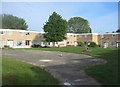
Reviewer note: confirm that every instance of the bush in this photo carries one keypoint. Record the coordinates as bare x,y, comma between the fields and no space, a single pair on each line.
80,44
93,44
36,46
6,46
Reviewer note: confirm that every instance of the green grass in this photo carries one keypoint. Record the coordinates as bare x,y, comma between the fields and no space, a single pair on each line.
19,73
105,74
63,49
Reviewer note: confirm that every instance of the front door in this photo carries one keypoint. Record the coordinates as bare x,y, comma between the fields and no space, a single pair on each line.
105,45
27,42
10,43
75,43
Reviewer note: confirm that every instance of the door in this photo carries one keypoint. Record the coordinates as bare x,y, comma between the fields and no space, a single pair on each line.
10,43
75,43
105,45
27,43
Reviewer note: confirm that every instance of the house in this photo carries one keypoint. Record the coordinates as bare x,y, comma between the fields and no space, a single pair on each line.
71,39
87,38
19,38
27,39
109,39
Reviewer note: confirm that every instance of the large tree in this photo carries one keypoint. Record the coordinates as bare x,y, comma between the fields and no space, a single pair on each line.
78,25
13,22
55,28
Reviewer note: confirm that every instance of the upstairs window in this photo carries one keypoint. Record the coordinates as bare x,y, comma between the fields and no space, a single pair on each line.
27,33
102,36
68,36
9,32
21,33
74,35
113,35
85,36
2,32
80,35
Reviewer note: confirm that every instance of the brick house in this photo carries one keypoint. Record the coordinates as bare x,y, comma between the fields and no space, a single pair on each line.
18,38
25,39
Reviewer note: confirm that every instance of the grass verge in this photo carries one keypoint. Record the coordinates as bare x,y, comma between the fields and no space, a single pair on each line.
15,72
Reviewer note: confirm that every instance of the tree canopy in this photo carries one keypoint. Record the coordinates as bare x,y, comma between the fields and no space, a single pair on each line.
13,22
55,29
78,25
118,30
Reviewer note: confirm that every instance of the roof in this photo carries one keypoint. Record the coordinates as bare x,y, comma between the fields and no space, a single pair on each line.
19,30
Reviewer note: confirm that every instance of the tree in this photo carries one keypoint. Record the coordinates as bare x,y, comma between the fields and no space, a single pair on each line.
13,22
118,30
78,25
55,29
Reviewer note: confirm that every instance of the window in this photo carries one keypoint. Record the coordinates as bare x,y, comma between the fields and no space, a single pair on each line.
112,43
102,36
67,42
44,43
27,42
40,35
85,36
68,36
2,43
2,32
113,35
74,35
35,43
18,43
21,33
80,35
27,33
48,43
9,32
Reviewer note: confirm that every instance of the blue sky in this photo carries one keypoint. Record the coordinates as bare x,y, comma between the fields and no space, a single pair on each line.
102,16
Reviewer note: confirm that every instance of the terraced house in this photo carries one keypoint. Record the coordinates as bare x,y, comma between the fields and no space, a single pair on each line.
109,39
19,38
26,39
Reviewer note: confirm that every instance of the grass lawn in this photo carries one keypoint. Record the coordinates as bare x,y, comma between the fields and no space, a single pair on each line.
106,74
19,73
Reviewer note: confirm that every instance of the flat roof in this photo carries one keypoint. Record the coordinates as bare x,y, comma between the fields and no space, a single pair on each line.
19,30
67,33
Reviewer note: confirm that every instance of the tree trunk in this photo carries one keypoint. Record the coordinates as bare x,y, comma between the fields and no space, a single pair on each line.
53,44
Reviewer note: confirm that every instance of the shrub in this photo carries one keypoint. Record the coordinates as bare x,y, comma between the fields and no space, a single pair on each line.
35,46
6,46
80,44
93,44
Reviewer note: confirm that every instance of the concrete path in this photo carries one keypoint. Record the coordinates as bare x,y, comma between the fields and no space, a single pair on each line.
67,68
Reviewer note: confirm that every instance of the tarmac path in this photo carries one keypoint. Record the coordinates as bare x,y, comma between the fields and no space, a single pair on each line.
67,68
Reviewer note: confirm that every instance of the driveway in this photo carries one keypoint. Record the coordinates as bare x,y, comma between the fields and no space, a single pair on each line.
67,68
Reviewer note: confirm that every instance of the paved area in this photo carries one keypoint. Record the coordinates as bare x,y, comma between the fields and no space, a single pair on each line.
67,68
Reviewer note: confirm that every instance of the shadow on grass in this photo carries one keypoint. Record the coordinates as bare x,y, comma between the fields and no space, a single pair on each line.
106,74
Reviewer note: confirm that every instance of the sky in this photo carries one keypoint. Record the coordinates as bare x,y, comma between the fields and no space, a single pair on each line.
102,16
